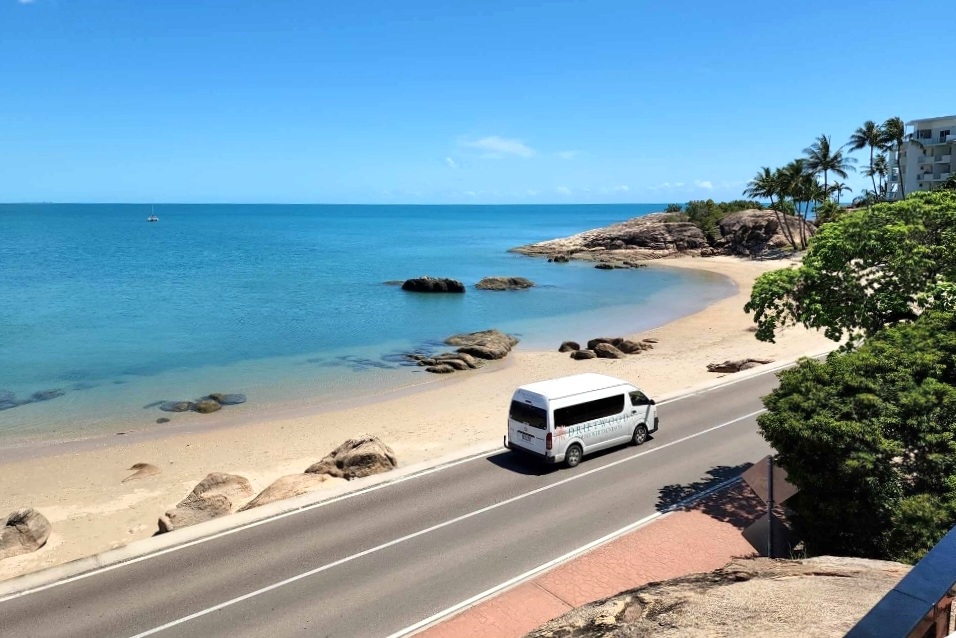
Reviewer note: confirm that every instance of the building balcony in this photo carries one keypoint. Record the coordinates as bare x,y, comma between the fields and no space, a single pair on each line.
944,159
925,159
942,177
933,141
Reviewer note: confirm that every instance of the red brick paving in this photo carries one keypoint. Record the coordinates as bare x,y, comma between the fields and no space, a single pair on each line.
700,539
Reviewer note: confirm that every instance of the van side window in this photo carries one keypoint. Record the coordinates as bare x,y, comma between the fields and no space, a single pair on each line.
639,398
589,411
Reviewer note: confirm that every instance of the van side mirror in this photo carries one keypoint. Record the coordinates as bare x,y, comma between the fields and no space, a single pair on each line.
653,402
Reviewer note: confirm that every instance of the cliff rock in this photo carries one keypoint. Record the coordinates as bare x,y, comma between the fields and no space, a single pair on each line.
754,232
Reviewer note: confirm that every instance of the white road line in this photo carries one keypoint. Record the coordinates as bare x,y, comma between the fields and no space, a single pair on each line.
574,553
433,528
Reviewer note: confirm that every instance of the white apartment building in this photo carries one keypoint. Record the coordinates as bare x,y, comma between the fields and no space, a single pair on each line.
927,160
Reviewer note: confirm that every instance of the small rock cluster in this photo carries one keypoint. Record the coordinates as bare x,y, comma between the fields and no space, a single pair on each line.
618,265
737,366
219,493
9,399
606,348
473,349
209,403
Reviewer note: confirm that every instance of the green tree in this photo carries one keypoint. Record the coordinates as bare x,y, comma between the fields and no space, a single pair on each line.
893,136
879,169
706,214
869,437
823,159
827,212
867,136
768,184
674,208
867,270
839,188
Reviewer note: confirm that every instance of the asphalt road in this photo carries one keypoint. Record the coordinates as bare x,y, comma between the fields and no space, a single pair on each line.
381,561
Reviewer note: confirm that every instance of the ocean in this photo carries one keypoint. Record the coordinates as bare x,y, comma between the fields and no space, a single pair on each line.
285,303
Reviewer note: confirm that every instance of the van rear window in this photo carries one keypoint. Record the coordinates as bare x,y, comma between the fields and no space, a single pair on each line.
589,411
529,415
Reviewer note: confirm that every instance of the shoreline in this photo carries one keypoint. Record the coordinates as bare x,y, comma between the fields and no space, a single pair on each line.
80,491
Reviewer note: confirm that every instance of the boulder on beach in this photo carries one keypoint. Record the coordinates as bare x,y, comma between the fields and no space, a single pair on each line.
467,359
22,532
485,344
504,283
756,232
737,366
141,471
632,347
613,341
456,364
360,456
569,346
162,419
440,368
214,496
288,487
607,351
583,354
433,284
650,340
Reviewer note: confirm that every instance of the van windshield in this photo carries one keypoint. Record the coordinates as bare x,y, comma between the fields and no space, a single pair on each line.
529,415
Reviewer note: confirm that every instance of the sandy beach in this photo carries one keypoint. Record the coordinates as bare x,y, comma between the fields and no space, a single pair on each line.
81,490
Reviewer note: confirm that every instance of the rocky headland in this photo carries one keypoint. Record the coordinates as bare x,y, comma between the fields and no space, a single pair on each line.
749,233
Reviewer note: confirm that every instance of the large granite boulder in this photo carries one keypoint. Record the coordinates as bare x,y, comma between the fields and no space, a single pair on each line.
607,351
216,495
647,237
289,486
754,232
580,355
822,596
737,365
433,284
440,368
569,346
22,532
485,344
632,347
614,341
361,456
504,283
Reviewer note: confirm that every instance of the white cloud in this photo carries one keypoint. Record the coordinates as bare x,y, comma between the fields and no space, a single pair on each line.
567,155
704,183
532,192
470,194
495,147
451,163
562,190
25,1
667,186
620,189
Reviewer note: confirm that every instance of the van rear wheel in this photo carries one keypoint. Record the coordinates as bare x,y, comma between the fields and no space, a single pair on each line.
573,456
640,434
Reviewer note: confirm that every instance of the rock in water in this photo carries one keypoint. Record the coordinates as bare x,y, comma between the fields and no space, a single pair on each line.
360,456
142,470
569,346
162,419
176,406
485,344
504,283
607,351
46,395
205,406
287,487
228,399
214,496
433,284
22,532
604,266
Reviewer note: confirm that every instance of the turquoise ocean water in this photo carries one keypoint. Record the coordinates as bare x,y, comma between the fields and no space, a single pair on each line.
284,303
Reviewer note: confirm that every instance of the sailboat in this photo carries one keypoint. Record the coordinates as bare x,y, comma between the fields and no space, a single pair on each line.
152,215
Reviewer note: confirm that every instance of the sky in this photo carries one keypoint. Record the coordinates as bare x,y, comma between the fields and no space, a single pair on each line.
428,101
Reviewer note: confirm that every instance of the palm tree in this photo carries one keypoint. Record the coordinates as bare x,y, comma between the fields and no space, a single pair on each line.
868,135
893,135
796,182
838,188
822,158
879,169
767,184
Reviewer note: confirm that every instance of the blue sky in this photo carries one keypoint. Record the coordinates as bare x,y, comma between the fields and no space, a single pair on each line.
425,101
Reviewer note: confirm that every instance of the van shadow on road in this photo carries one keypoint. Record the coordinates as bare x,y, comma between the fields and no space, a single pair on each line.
737,505
530,466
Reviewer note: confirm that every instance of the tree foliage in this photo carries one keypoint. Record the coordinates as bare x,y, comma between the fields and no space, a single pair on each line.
674,208
869,437
866,270
705,214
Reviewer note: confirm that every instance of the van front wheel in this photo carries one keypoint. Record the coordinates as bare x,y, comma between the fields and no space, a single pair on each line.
640,434
573,456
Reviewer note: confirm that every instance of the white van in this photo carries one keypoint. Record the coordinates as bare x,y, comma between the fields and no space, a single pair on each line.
564,419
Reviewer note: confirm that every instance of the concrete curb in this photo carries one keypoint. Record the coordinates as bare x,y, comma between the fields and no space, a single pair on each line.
195,534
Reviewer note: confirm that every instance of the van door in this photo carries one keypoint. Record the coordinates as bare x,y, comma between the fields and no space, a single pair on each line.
528,426
642,411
